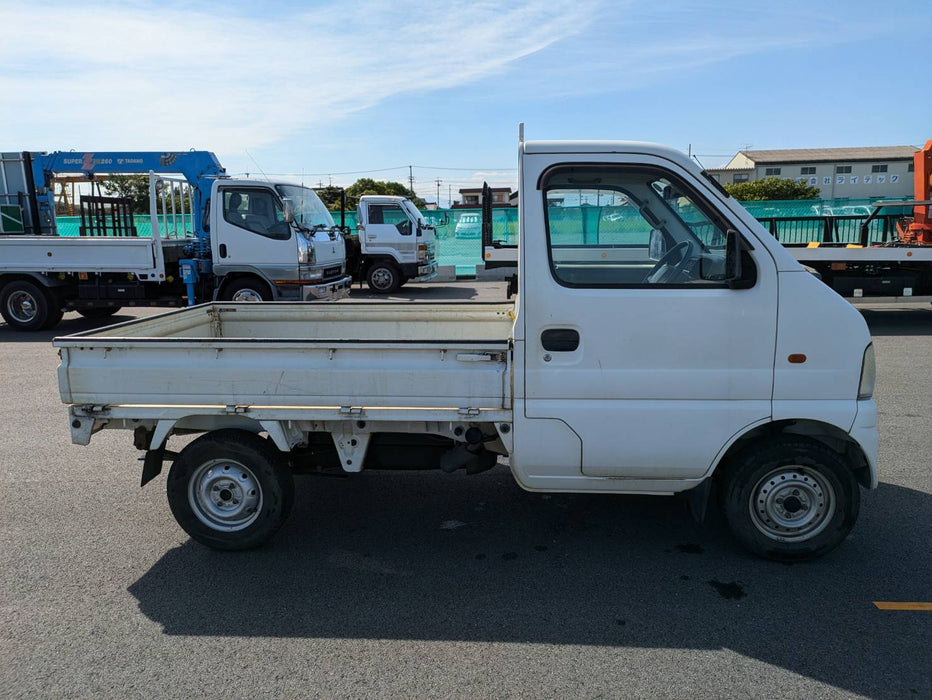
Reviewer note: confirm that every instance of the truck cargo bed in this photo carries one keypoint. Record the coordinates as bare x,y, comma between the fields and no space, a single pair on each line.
376,355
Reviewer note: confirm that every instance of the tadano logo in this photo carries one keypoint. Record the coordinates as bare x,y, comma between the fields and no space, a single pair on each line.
88,162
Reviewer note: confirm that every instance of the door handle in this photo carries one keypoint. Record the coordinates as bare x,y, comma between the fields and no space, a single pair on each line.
223,250
560,339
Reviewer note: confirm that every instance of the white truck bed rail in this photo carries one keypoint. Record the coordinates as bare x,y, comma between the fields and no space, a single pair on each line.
295,361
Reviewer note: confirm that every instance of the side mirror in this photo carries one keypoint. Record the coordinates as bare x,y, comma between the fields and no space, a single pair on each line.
657,246
287,210
733,258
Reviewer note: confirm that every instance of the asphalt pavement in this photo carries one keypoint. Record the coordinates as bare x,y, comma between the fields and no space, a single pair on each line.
428,584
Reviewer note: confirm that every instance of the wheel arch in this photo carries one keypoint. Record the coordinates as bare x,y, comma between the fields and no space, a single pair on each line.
38,278
835,438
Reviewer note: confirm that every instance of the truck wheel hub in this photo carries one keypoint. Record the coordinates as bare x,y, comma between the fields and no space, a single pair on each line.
225,495
247,295
21,306
382,278
792,503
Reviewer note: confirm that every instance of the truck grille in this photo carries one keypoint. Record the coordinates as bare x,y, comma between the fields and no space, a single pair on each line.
332,273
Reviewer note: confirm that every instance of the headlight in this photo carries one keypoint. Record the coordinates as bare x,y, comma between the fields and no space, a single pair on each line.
868,374
422,251
306,254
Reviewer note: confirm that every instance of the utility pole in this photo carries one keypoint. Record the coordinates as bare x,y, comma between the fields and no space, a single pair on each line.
439,182
449,196
411,178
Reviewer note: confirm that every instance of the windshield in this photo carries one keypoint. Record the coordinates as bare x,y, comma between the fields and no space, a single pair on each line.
309,211
413,211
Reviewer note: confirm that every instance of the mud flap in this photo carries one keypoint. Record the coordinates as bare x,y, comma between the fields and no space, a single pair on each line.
698,499
152,465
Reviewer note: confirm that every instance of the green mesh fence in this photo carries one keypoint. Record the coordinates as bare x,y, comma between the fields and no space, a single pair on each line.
459,231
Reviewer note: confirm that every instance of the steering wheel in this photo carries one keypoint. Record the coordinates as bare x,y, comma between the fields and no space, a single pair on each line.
668,272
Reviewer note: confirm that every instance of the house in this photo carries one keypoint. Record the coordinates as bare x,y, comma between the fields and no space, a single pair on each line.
471,197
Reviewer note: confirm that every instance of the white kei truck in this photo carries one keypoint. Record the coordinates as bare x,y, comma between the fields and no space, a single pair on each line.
686,352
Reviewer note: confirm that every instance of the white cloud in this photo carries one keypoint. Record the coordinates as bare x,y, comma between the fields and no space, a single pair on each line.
144,76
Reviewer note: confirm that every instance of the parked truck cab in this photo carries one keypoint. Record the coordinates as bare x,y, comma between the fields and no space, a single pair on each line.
274,242
393,244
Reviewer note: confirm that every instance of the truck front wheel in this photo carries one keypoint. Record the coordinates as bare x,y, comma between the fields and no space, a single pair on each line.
25,306
383,278
790,498
230,490
247,289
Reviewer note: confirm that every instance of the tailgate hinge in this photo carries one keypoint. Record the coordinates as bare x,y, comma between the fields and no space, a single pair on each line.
351,410
238,408
94,410
468,411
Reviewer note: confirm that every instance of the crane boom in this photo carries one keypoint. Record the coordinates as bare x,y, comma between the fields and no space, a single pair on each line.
199,169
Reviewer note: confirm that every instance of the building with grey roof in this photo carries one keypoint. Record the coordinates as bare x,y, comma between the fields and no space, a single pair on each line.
839,173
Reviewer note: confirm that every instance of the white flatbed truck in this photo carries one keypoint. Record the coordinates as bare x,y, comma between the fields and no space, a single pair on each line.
653,363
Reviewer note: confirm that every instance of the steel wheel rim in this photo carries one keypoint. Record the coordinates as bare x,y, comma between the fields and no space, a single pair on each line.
22,306
247,295
382,278
792,503
225,495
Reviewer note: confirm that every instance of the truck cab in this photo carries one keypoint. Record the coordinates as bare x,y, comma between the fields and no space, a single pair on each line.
393,244
274,242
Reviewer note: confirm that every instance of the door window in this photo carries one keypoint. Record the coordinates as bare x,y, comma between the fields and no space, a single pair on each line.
622,226
391,214
256,210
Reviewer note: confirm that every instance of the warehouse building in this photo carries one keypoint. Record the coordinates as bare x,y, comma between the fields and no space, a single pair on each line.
839,173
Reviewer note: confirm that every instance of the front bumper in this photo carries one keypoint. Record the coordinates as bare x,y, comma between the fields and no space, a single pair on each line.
864,431
330,291
426,272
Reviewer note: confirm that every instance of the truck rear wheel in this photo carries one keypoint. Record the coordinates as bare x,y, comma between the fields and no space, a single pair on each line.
230,490
25,306
383,278
790,498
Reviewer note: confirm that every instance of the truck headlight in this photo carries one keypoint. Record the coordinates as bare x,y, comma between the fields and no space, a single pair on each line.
306,254
868,374
421,251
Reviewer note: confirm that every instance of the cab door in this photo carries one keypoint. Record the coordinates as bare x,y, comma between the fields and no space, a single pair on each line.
639,360
250,230
389,231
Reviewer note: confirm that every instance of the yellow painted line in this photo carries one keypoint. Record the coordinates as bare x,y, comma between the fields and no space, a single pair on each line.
890,605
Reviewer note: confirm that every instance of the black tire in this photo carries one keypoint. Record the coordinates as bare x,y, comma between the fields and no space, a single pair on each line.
54,318
26,306
215,470
247,289
790,498
383,277
100,312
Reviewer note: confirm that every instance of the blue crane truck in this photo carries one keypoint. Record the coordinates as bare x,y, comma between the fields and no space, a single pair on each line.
212,237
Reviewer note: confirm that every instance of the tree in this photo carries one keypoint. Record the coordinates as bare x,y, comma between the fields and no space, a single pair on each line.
330,196
134,187
772,188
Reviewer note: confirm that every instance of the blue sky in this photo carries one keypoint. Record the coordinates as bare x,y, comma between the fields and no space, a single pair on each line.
316,89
